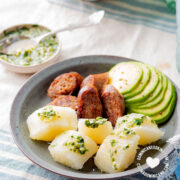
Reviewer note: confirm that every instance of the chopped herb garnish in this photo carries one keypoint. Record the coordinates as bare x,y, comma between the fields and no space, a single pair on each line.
124,120
20,30
113,142
53,145
130,124
7,33
115,166
48,114
24,28
138,121
126,147
76,144
113,159
35,55
80,139
35,25
25,54
131,121
128,131
94,123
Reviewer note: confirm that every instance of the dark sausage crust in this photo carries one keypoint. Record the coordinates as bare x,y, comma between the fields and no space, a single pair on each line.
97,80
66,101
78,77
89,103
113,103
65,84
88,81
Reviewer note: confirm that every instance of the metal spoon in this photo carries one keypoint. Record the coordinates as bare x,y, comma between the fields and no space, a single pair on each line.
93,19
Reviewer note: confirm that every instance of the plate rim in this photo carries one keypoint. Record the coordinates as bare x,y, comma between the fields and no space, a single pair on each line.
67,173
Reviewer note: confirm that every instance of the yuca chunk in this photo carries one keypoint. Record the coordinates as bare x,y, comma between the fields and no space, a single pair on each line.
97,80
89,103
97,129
48,122
72,149
116,153
66,101
65,84
113,103
143,125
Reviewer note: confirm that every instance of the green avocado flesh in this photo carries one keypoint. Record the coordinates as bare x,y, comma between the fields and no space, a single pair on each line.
150,88
142,83
159,107
154,98
124,81
147,92
163,116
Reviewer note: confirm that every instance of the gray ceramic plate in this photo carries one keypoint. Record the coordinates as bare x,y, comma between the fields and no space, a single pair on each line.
33,96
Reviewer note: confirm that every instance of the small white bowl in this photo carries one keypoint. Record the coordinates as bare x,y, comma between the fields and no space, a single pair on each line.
32,68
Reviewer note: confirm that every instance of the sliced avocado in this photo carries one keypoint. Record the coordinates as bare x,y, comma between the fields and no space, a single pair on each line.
159,107
125,76
156,97
142,83
163,116
150,88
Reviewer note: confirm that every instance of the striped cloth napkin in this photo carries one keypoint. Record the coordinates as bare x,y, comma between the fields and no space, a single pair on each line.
140,29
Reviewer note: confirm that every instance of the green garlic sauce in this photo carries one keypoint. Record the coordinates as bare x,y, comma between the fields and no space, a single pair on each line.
35,55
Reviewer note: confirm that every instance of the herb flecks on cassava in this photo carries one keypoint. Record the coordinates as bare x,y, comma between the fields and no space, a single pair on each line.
48,115
76,144
94,123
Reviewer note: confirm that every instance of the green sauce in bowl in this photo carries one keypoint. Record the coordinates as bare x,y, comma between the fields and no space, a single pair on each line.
33,56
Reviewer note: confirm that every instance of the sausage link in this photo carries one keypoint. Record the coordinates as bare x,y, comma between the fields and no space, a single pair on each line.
97,80
78,76
65,84
89,103
113,103
66,101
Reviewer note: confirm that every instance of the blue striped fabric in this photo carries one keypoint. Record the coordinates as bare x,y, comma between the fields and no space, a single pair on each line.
150,13
5,176
13,162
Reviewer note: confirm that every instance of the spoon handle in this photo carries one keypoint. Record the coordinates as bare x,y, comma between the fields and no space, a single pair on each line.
93,19
69,27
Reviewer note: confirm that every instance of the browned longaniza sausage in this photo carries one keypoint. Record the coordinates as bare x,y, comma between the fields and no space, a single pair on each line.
97,80
89,103
66,101
65,84
113,103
